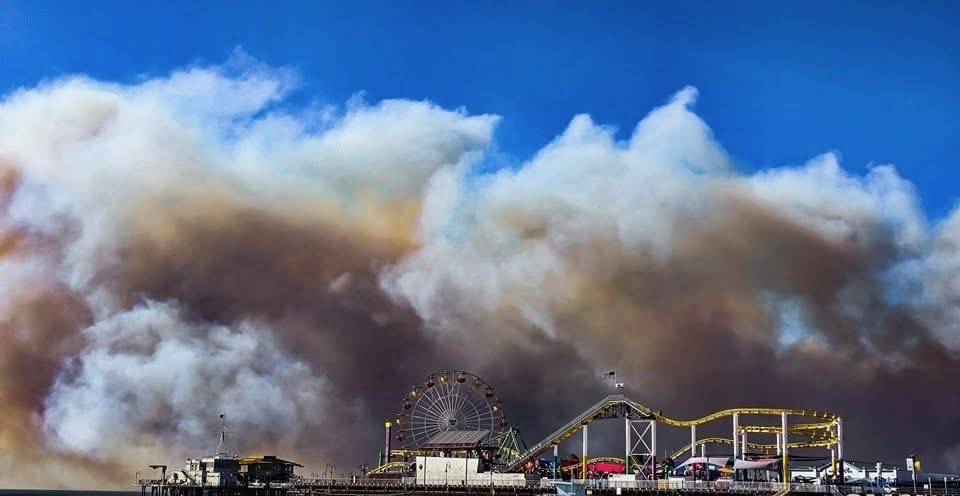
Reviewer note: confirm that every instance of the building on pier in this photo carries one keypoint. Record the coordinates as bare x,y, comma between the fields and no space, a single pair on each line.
221,470
266,469
224,470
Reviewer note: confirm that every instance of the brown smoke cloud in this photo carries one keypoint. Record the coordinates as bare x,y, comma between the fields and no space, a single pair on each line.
195,244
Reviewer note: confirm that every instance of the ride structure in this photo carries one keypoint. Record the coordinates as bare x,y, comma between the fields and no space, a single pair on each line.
816,430
450,413
456,413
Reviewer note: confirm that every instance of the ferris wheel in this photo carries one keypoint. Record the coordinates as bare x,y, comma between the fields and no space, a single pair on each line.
452,400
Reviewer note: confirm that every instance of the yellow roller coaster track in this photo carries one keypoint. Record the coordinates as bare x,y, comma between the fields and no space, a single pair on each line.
741,411
797,428
619,405
766,448
388,467
599,459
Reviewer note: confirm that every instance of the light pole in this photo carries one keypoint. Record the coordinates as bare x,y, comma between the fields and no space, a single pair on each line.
912,466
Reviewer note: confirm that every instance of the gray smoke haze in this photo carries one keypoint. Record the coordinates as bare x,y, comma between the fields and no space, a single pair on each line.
198,243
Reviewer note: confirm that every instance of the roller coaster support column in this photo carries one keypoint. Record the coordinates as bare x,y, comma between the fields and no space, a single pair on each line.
843,474
786,456
743,445
778,444
693,441
386,443
643,453
626,444
583,461
736,436
833,461
556,462
653,449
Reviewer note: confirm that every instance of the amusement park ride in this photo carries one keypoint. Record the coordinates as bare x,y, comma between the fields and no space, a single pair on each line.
451,413
456,414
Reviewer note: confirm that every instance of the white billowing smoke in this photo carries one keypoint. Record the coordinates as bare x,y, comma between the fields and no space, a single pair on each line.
822,196
588,205
90,151
148,360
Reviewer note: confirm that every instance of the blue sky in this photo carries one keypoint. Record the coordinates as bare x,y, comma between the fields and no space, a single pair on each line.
779,81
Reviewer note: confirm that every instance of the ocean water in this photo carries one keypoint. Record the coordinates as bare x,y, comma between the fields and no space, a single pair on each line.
47,492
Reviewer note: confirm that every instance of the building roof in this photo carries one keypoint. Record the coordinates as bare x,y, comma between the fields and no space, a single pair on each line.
250,460
456,439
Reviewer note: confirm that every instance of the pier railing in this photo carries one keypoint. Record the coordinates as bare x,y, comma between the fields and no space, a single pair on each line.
720,486
414,482
411,485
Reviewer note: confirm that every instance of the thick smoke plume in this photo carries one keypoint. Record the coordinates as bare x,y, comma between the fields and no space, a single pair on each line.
201,243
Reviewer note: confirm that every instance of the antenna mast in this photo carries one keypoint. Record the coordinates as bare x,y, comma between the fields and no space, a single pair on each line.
221,446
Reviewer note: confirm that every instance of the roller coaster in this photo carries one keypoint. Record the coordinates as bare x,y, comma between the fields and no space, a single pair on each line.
443,409
825,431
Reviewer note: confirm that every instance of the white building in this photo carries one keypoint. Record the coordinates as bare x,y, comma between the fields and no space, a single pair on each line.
219,471
440,470
858,472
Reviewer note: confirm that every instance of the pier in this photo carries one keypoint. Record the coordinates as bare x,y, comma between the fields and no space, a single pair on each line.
454,439
589,487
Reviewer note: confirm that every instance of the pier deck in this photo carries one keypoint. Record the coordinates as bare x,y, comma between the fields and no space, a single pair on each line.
598,487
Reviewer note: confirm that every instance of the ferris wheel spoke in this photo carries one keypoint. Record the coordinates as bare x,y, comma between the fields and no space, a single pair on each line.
424,435
444,397
460,402
476,410
432,404
426,420
443,400
461,399
430,428
425,402
452,401
465,410
432,410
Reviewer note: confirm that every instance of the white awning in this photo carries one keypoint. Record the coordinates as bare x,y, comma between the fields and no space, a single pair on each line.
769,464
720,461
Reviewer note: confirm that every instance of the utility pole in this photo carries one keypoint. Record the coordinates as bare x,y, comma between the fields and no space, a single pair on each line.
912,466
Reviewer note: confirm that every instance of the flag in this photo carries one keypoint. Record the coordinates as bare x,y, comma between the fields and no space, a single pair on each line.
610,374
